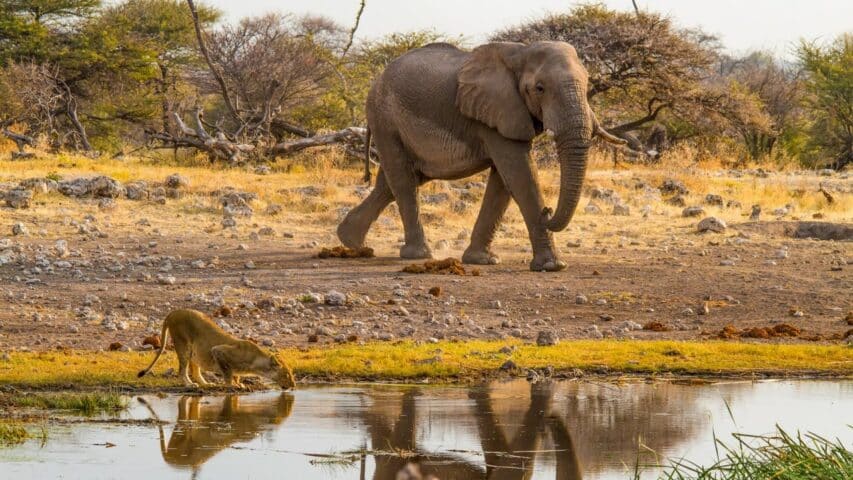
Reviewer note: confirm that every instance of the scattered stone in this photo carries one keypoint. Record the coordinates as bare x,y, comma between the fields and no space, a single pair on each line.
755,215
671,186
592,209
176,181
20,229
116,346
236,204
713,199
547,338
677,201
263,170
695,211
61,248
335,298
18,198
435,291
508,366
621,210
106,204
165,279
711,224
581,299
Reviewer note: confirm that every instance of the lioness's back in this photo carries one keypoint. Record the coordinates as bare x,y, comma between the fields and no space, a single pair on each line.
192,323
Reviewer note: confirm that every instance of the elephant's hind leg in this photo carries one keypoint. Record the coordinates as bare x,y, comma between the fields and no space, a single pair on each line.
398,166
495,202
353,229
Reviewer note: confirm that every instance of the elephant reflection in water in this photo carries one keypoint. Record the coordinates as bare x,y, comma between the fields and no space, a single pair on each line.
205,429
505,458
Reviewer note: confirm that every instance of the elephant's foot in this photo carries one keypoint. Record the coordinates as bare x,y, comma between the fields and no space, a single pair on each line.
415,251
547,263
349,235
480,257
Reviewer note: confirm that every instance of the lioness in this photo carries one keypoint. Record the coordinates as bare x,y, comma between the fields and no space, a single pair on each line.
201,345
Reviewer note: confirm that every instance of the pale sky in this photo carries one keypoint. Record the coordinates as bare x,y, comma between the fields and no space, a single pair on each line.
774,25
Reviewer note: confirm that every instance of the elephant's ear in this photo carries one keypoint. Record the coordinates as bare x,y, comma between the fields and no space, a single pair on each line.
488,91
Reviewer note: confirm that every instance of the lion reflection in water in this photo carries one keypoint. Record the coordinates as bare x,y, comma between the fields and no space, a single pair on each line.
207,426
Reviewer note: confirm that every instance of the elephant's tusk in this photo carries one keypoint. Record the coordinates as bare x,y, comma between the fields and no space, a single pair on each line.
609,137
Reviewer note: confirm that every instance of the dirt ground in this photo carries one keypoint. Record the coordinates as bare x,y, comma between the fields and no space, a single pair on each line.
128,263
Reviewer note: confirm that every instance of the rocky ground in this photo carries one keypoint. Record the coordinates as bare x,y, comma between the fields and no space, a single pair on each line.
89,261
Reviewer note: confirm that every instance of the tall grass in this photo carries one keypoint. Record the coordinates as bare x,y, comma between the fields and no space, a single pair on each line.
778,457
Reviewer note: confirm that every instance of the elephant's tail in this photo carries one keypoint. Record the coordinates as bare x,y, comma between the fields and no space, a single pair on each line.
367,138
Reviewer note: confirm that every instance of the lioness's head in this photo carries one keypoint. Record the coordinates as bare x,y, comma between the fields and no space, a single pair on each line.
281,374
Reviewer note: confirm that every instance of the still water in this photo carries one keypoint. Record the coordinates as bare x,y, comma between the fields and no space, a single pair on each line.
507,430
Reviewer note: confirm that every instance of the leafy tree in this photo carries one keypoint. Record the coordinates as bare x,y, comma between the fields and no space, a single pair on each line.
830,100
162,33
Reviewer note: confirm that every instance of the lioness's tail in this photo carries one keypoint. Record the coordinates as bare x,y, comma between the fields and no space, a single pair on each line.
163,337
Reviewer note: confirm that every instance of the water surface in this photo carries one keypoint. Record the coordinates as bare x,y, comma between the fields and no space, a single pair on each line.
507,430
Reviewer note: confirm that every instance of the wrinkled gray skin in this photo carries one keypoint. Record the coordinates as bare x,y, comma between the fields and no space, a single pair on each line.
442,113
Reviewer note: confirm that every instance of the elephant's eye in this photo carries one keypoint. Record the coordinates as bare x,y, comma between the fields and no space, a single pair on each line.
540,88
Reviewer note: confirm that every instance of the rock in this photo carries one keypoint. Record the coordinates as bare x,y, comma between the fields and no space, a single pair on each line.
782,253
727,263
756,213
153,340
671,186
100,186
228,222
693,212
20,229
137,190
592,209
733,204
507,350
826,172
712,199
676,201
435,291
547,338
177,181
106,204
273,209
166,279
508,366
263,170
18,198
621,210
605,195
335,298
236,204
712,224
581,299
61,248
267,232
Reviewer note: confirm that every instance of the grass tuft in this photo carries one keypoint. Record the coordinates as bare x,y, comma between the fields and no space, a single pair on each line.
12,433
779,457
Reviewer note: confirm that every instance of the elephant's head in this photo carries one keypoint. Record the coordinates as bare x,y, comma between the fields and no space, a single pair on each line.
519,89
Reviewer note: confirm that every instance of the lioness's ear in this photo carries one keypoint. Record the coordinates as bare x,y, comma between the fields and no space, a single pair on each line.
488,90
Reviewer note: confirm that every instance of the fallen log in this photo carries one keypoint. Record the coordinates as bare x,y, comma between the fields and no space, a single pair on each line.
21,141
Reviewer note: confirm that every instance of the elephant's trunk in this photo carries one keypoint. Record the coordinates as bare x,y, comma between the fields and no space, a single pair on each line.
573,135
573,160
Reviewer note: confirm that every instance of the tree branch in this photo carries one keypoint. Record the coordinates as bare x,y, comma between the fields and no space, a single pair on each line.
354,28
223,87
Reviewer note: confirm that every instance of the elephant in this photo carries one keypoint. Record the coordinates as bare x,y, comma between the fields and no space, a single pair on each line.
438,112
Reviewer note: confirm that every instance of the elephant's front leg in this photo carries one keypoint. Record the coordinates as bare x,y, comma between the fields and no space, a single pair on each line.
495,202
512,160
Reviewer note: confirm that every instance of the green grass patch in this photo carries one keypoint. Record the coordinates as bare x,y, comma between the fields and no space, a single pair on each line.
447,361
12,433
83,403
778,457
